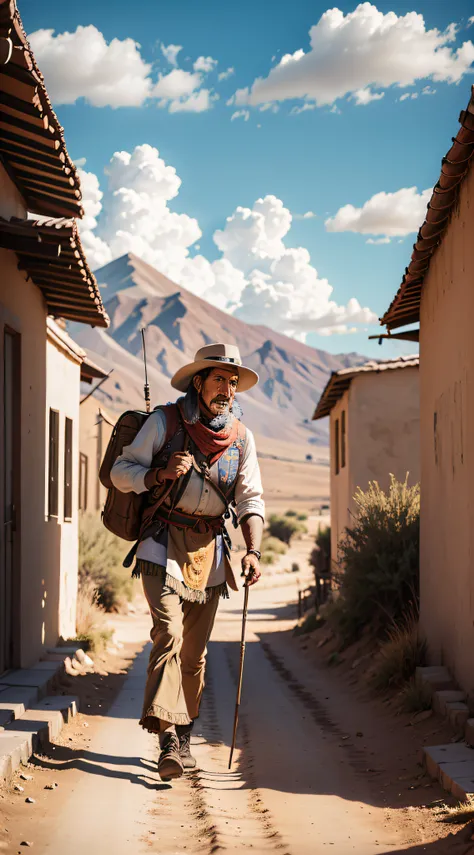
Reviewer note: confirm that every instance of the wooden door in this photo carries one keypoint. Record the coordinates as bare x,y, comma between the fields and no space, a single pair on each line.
10,452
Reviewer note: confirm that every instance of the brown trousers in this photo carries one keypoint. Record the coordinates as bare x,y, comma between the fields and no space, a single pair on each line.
180,634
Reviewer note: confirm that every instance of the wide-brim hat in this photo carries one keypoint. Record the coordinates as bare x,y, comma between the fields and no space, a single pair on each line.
215,356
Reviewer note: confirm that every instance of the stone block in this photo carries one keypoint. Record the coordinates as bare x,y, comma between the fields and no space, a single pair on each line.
67,705
434,678
436,756
458,714
64,651
469,732
462,788
6,716
452,772
46,724
30,677
17,699
446,696
15,748
46,665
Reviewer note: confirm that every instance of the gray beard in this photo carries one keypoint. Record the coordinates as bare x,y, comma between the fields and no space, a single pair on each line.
224,419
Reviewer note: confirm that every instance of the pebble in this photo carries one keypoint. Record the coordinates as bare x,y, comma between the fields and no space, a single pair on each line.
51,786
26,843
19,788
26,777
30,801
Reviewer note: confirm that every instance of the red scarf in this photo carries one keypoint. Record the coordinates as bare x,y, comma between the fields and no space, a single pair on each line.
212,443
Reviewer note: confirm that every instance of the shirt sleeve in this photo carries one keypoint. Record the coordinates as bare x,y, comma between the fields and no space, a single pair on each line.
248,488
129,470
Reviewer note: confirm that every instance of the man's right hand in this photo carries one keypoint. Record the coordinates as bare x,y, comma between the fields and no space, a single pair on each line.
179,464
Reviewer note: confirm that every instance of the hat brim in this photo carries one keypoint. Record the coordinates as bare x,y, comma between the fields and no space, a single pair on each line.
183,377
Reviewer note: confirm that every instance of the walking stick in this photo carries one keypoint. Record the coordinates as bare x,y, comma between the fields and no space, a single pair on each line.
241,673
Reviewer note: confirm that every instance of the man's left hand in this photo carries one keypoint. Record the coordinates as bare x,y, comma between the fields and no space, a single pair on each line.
250,570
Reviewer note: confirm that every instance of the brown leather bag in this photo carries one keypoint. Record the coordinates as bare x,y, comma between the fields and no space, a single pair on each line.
122,514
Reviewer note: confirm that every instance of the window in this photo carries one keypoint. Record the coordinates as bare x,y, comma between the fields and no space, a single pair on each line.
53,469
83,463
68,469
343,439
336,447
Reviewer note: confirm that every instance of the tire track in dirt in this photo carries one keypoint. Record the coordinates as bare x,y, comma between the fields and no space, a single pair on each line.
227,804
357,757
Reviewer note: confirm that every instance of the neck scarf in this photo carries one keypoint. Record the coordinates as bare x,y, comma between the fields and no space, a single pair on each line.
212,443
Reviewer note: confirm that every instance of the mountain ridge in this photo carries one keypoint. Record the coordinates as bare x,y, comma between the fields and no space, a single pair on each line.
178,323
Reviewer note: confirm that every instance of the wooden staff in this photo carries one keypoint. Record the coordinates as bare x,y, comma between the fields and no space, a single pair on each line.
241,672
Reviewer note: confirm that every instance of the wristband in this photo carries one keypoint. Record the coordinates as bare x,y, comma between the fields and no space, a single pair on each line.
255,552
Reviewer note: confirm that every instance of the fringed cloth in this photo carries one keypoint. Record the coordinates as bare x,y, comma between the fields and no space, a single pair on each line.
148,568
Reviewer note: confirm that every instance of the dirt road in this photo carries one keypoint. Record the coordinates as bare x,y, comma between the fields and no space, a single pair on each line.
297,787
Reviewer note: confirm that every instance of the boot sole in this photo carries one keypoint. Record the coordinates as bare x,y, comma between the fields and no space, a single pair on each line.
170,769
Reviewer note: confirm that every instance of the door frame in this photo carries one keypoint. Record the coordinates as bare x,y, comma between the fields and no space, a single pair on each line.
8,329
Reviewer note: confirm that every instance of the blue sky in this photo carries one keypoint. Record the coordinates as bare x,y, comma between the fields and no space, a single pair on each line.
318,160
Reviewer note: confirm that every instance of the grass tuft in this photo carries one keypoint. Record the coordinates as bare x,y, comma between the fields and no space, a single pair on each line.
91,619
399,656
100,562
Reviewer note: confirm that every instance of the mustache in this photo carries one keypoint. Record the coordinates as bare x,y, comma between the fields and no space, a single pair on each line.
220,399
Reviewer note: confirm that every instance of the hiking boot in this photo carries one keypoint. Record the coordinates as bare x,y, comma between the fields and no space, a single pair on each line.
170,764
184,735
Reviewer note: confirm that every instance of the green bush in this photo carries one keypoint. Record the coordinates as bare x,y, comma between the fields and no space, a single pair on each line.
284,528
378,559
291,513
100,562
320,558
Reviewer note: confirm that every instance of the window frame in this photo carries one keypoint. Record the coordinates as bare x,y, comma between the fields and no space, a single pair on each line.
337,467
343,438
68,468
53,464
83,480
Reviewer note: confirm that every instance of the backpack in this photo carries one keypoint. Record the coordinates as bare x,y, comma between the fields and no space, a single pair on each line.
122,514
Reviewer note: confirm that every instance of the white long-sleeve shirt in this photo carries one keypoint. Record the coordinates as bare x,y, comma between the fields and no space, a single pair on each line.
128,474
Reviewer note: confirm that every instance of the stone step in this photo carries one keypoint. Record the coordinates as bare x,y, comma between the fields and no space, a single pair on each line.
458,715
469,732
442,698
434,678
33,729
453,766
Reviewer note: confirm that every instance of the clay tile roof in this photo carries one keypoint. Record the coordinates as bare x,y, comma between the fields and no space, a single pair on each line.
405,308
32,146
51,254
340,381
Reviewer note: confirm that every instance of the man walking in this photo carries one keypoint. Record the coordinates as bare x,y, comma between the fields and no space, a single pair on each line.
195,461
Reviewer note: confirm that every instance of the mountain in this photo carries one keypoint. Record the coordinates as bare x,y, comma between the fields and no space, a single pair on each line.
292,374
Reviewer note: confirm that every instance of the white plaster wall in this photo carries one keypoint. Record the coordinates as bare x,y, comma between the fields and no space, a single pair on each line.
447,429
341,484
62,394
384,437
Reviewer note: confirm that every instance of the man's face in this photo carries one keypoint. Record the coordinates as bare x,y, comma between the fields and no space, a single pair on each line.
218,389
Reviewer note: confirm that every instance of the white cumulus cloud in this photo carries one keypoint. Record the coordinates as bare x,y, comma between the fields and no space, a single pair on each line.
240,114
205,64
170,53
387,214
224,75
82,64
359,52
257,276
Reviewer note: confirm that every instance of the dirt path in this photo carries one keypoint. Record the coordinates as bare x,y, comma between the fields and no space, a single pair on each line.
299,785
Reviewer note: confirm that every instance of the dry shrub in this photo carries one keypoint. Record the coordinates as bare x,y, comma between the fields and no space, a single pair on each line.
90,618
399,656
459,813
100,561
415,697
377,572
284,528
